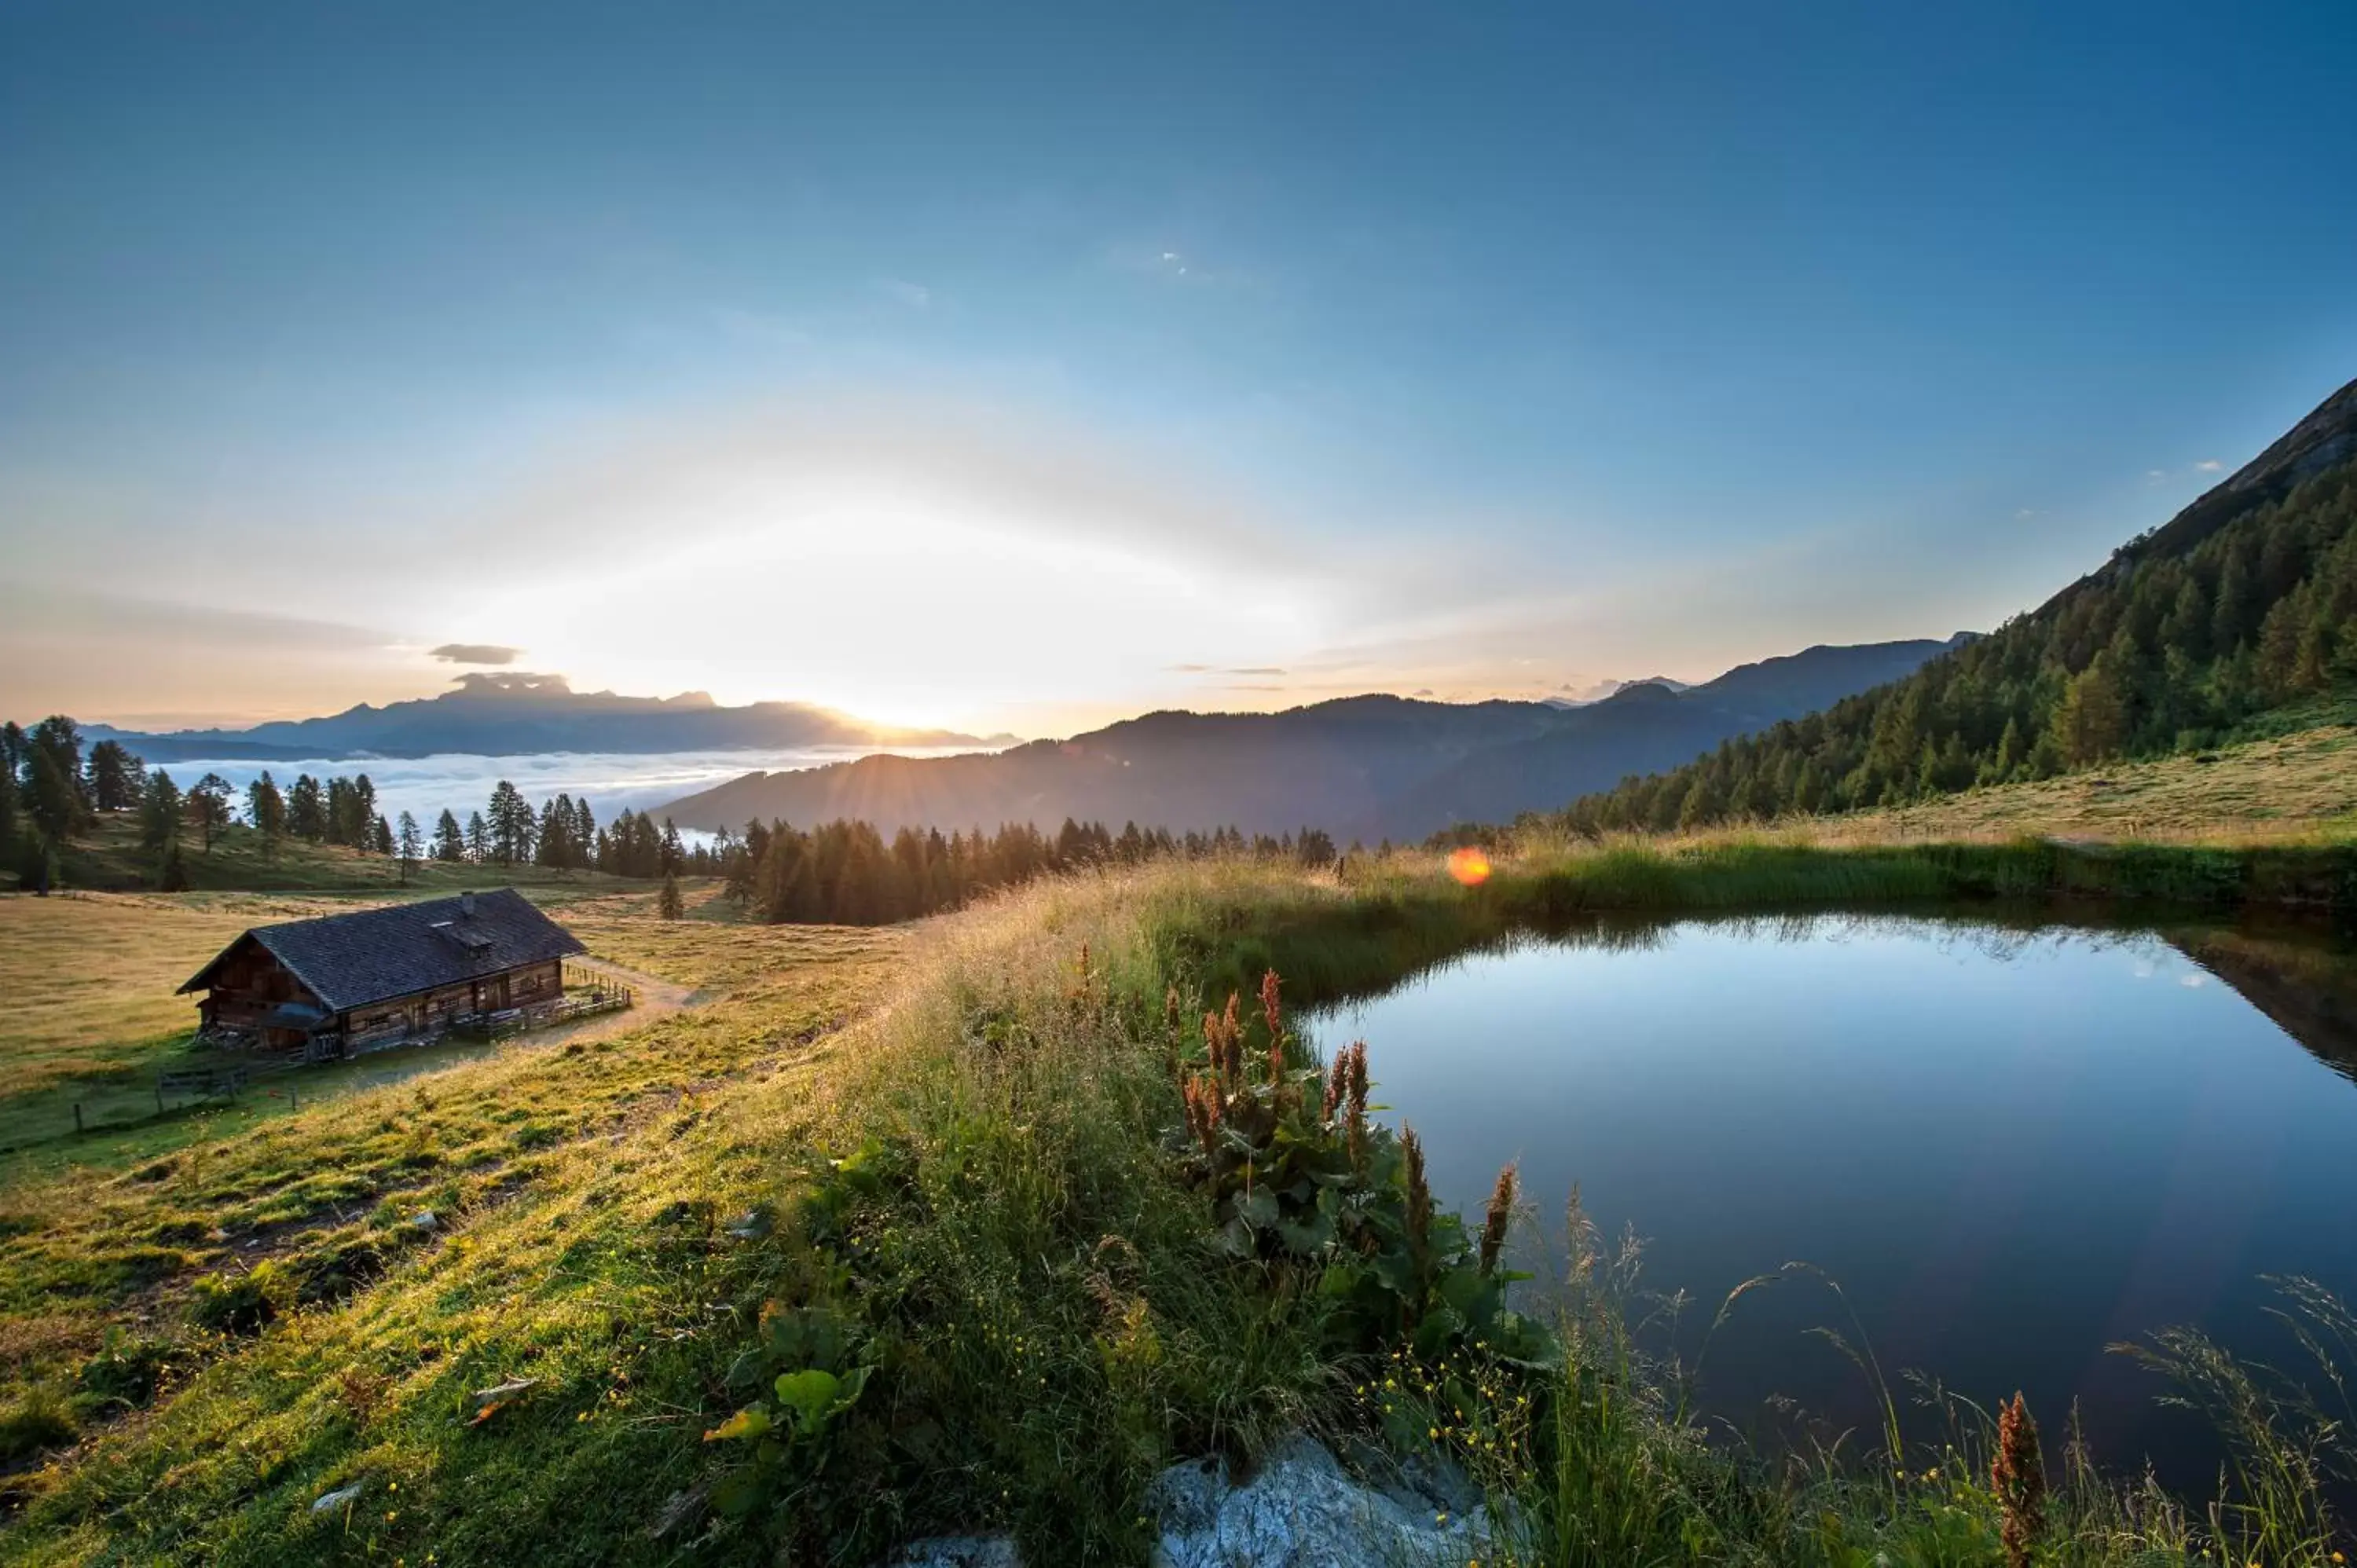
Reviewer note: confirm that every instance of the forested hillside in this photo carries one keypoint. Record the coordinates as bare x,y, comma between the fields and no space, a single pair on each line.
2246,601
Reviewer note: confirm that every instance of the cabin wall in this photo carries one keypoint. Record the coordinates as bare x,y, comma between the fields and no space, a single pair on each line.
248,986
432,1011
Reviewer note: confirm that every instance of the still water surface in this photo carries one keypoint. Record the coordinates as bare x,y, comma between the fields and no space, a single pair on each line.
2011,1148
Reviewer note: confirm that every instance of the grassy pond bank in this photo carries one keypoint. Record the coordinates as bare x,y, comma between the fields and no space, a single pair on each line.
977,1228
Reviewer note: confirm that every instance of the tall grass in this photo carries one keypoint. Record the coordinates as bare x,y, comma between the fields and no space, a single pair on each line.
1050,1276
983,1183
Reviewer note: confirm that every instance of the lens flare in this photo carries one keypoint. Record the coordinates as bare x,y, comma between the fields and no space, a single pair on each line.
1468,865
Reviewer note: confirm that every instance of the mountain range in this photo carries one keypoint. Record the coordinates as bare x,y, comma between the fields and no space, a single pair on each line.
1368,768
509,713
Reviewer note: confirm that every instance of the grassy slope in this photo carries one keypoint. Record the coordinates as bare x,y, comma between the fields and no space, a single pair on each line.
110,859
2296,777
503,1147
1039,1368
93,1013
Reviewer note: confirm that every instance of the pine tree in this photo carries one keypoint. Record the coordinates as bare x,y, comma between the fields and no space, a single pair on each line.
159,814
478,838
208,806
380,837
9,832
449,844
53,801
668,905
306,808
116,779
2093,723
266,809
412,843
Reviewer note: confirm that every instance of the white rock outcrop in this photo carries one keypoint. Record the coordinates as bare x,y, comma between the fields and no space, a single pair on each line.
1299,1509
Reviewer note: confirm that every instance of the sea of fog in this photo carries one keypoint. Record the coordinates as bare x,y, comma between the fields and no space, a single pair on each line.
612,781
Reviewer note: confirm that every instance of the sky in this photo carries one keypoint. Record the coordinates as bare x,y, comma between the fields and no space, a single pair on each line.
1022,366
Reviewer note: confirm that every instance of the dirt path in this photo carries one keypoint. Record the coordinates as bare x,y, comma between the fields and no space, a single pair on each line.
656,998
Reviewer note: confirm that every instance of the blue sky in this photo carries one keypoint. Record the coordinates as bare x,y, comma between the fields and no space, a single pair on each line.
1023,366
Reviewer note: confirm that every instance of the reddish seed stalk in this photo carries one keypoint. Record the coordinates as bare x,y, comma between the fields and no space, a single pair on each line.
1419,1198
2018,1475
1500,1217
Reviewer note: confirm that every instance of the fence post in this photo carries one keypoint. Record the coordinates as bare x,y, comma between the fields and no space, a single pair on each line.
77,1115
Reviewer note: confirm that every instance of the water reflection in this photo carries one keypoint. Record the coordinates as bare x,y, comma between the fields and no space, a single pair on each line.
2013,1143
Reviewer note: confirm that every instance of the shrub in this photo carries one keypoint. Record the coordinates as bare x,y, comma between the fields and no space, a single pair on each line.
239,1303
39,1422
127,1372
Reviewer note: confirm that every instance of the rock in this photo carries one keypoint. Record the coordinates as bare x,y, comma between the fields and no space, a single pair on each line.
1303,1511
1299,1509
426,1219
500,1393
329,1502
958,1551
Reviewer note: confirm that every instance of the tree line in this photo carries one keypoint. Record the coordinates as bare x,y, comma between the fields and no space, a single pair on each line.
51,793
2166,647
843,872
846,873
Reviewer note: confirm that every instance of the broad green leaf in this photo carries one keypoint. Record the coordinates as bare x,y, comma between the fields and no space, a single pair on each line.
809,1394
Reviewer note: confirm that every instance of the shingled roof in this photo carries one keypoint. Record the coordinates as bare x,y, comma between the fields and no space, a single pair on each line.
374,955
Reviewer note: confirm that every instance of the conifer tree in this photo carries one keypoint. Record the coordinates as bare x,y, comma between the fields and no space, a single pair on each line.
159,814
412,843
450,843
266,809
306,808
669,905
116,779
208,806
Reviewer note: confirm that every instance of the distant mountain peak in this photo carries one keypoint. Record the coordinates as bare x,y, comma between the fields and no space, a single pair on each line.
507,683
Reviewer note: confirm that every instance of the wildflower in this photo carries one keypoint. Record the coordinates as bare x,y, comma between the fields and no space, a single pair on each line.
1268,1004
1494,1223
2019,1477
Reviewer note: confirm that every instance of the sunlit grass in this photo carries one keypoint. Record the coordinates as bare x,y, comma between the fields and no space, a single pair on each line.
1023,1266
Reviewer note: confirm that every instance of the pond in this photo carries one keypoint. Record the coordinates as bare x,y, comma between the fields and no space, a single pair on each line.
2011,1146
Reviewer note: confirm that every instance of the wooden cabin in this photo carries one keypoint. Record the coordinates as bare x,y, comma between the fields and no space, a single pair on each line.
375,977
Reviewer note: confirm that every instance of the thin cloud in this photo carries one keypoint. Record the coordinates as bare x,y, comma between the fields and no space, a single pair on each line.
475,653
2209,464
915,296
